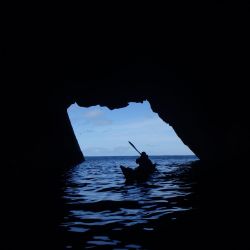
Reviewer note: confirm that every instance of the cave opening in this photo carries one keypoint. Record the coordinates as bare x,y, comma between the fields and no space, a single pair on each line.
104,132
97,194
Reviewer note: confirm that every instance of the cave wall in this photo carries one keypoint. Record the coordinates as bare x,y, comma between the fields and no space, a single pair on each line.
200,110
195,79
192,66
203,112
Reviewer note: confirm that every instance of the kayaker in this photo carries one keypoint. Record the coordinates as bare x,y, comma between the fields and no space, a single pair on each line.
144,161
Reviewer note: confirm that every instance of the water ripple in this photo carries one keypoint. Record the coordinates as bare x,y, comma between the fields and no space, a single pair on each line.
97,197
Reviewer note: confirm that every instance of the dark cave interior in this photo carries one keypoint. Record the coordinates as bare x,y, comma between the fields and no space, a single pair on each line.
198,89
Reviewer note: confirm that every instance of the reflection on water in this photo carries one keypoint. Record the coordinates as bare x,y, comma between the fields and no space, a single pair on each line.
102,208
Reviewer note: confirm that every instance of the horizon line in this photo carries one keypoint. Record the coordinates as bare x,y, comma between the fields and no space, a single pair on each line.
138,155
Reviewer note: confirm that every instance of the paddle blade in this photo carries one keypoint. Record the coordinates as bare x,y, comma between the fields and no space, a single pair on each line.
134,147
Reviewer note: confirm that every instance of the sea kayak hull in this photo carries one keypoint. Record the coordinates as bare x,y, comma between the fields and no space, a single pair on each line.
137,174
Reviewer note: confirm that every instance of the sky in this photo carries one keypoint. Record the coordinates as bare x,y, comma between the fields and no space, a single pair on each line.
104,132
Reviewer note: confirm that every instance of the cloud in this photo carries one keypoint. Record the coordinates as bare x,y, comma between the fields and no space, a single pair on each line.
96,117
96,151
121,149
150,124
85,131
93,113
103,122
110,151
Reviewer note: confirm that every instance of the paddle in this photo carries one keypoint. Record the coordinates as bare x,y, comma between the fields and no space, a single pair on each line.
138,150
134,147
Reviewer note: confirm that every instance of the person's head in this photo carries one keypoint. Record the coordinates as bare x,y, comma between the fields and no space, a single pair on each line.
143,154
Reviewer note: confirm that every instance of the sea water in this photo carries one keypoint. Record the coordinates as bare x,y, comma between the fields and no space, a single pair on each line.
103,210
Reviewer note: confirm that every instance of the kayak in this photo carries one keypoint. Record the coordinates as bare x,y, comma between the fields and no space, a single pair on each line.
137,173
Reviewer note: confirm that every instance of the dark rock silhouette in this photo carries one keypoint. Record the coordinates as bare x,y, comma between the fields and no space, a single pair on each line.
196,83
